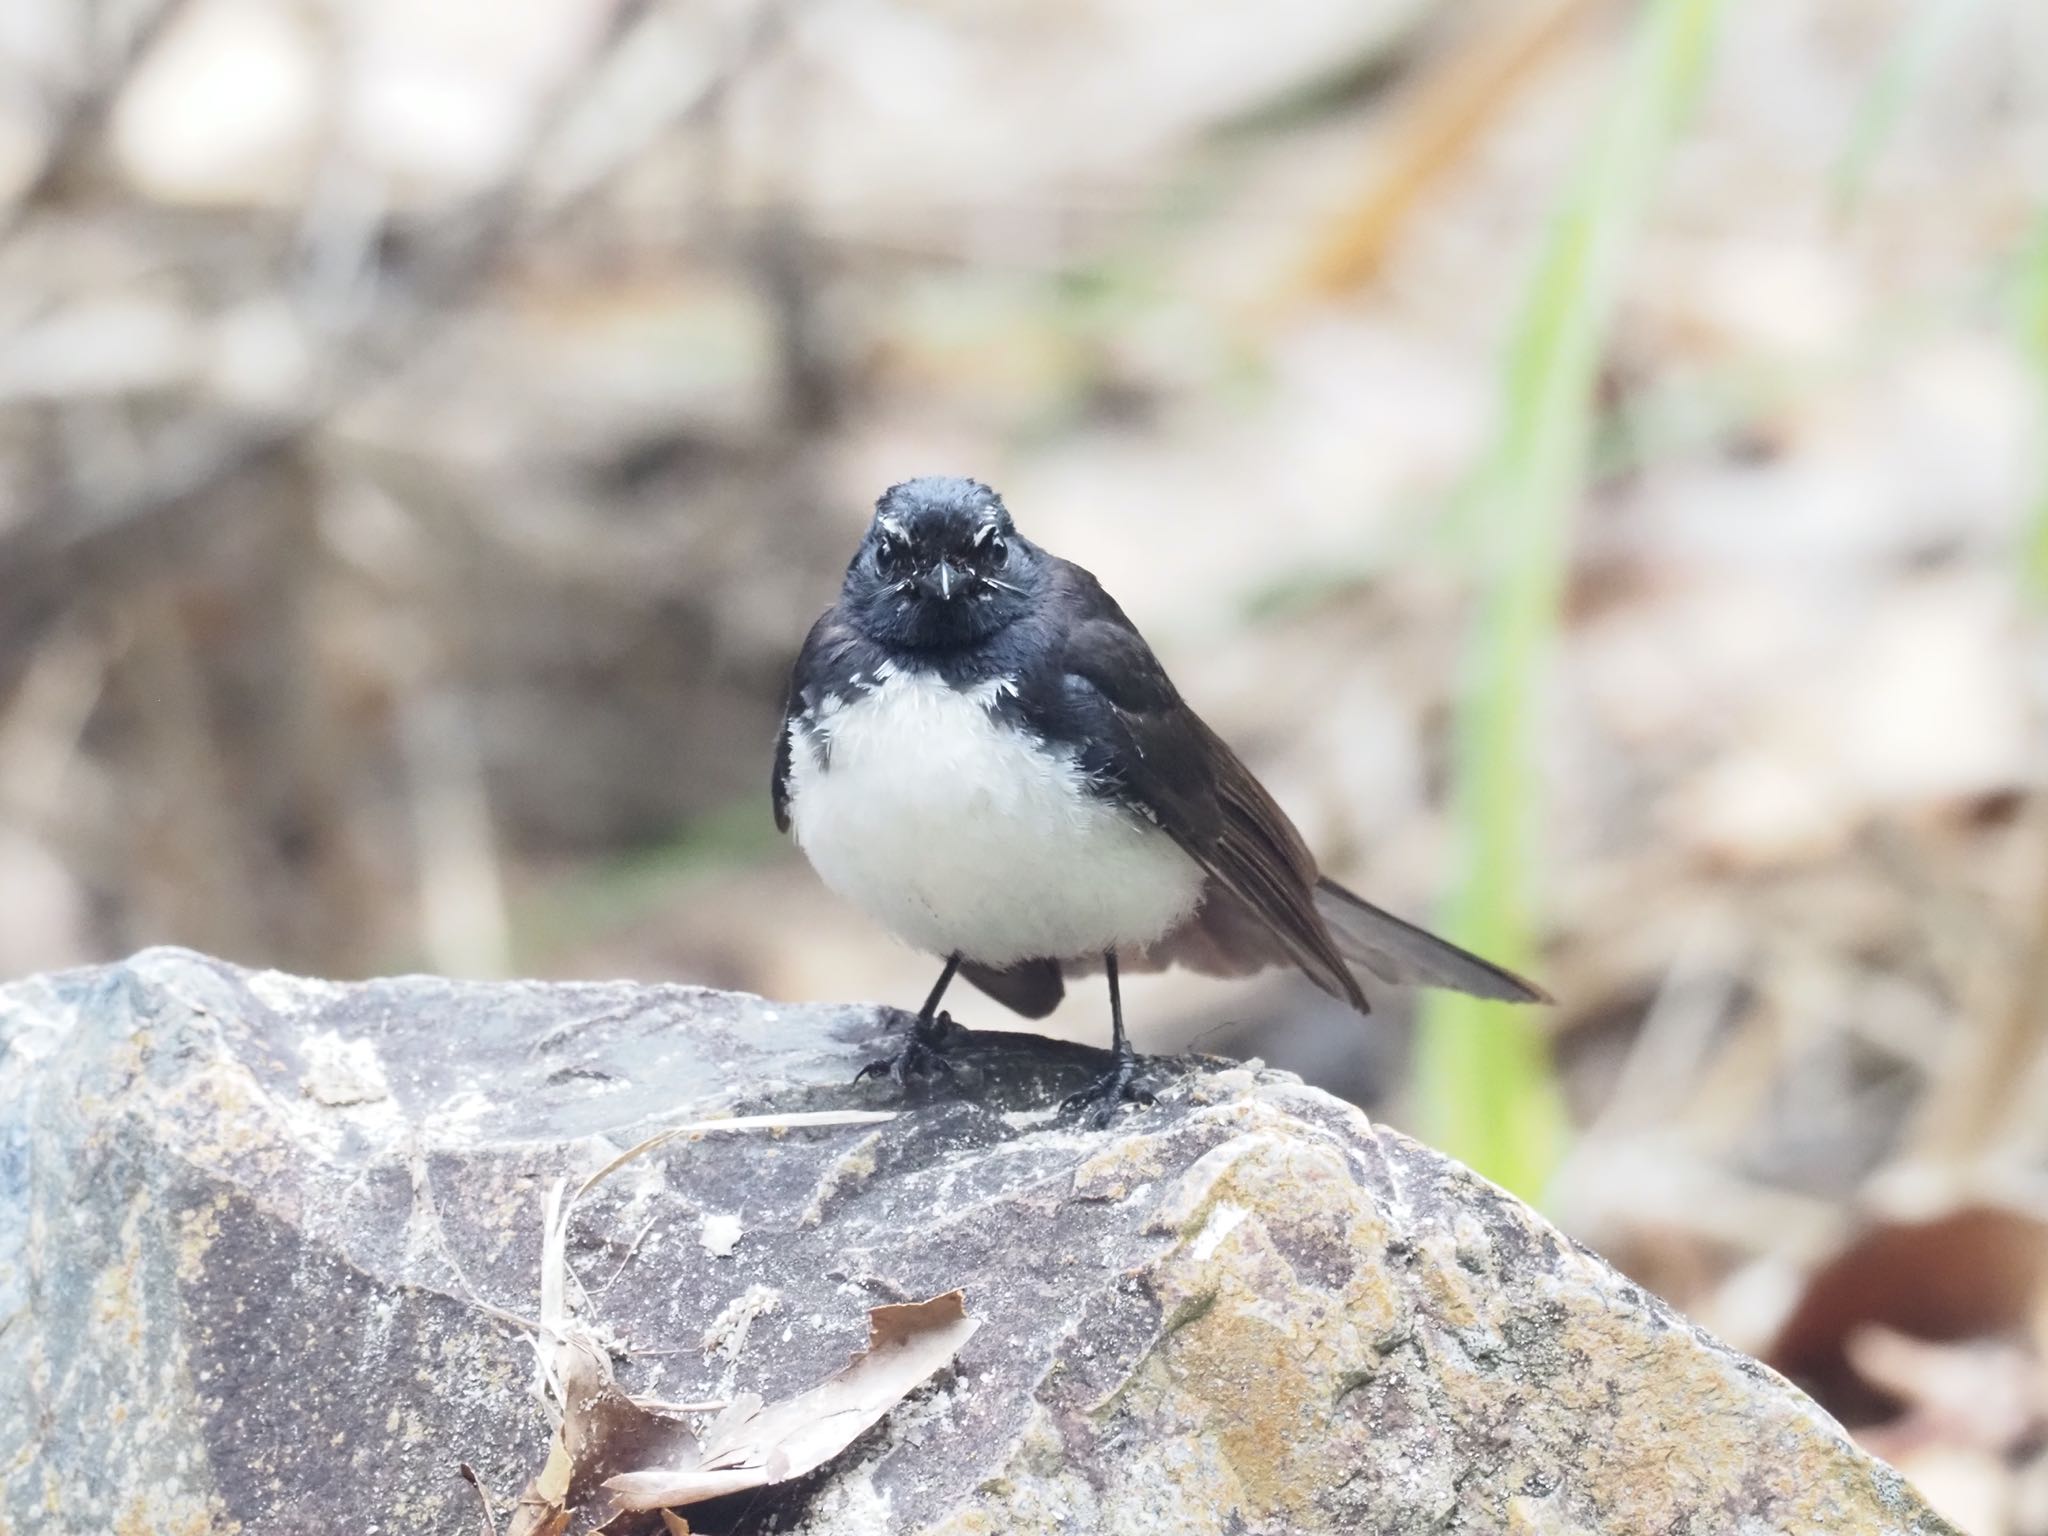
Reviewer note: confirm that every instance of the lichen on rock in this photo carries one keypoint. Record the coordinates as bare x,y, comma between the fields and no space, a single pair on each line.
267,1249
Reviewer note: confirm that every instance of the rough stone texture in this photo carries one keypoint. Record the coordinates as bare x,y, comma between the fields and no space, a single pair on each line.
248,1226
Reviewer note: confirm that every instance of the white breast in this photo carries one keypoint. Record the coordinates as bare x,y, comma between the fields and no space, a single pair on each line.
958,832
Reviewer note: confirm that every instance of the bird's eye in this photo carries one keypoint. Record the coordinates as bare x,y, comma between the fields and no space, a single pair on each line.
888,555
997,550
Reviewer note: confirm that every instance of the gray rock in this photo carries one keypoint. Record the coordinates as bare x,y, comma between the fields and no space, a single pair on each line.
266,1245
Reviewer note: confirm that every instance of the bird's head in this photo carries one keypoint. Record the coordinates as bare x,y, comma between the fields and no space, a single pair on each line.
941,566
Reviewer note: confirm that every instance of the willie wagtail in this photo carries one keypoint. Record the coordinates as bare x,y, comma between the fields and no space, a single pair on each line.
980,751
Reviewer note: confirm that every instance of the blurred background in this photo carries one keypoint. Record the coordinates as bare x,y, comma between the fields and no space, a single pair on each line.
1588,455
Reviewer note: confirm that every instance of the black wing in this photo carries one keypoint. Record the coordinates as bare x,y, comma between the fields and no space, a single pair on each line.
1108,697
1398,951
821,667
778,784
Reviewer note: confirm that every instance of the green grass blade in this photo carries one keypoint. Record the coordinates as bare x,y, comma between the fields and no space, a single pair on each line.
1486,1090
2033,326
1912,59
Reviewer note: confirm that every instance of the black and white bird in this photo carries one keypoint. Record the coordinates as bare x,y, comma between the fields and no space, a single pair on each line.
981,752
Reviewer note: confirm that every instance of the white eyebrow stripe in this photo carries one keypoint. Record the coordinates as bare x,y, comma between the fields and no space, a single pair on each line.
890,526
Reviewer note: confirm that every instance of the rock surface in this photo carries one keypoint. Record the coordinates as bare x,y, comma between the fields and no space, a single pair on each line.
266,1245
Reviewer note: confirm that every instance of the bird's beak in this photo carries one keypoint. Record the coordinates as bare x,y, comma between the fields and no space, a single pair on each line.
940,581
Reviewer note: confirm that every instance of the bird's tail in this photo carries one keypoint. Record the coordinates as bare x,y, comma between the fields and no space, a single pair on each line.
1403,953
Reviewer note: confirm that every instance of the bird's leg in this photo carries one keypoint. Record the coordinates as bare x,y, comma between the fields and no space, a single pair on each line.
1115,1088
925,1052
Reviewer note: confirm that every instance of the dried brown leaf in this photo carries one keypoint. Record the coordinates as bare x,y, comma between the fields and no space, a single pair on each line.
542,1508
606,1439
603,1431
1975,1272
600,1430
751,1446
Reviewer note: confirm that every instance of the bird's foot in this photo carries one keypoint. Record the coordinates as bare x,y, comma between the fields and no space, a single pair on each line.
1101,1099
922,1058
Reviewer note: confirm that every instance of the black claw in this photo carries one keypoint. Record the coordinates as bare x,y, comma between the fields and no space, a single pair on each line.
1108,1094
922,1058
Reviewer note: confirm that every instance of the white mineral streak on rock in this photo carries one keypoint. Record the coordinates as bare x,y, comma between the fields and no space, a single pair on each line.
720,1235
341,1072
